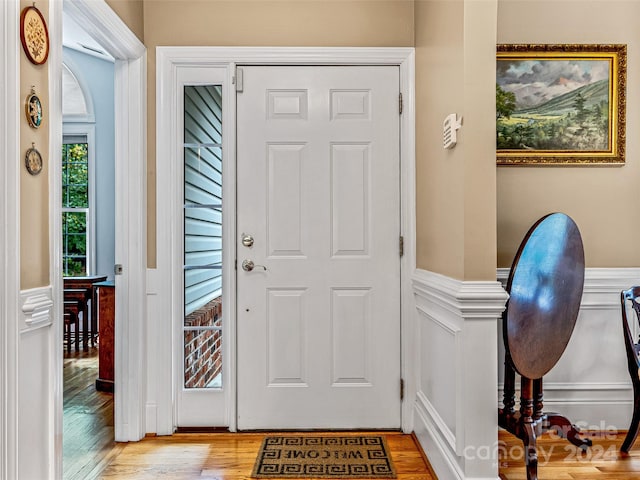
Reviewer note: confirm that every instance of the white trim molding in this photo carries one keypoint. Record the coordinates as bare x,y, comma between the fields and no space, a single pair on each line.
113,35
590,385
602,286
10,235
89,131
106,27
55,236
455,415
37,308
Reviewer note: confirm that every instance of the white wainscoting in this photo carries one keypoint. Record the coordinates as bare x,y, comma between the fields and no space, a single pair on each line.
35,380
455,416
590,385
159,401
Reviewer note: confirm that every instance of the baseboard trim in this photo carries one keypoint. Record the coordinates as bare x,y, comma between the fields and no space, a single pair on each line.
441,456
426,460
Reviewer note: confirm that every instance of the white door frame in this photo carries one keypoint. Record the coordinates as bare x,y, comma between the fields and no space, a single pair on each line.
130,98
106,27
10,236
168,60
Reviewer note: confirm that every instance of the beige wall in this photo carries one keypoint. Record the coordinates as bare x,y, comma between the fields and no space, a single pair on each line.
34,190
602,200
132,13
355,23
455,189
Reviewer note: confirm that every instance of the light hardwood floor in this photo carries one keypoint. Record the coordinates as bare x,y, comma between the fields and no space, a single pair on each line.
87,441
90,452
227,456
559,460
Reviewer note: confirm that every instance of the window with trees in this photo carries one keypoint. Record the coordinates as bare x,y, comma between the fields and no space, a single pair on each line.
75,206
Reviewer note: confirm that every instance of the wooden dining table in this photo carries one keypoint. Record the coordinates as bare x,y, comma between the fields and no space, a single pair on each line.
81,290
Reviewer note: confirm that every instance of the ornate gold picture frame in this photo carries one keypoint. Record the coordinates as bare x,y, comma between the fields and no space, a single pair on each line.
561,104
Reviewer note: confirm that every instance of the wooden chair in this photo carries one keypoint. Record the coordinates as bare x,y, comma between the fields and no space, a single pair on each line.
80,296
633,363
71,310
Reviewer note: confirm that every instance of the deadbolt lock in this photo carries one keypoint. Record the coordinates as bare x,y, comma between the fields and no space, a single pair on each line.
247,240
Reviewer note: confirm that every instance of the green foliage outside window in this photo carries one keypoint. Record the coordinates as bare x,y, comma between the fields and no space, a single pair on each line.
75,202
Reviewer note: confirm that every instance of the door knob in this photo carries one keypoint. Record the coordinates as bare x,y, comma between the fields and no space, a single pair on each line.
248,265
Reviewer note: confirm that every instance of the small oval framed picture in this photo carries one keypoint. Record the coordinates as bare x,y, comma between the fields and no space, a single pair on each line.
33,161
33,109
34,35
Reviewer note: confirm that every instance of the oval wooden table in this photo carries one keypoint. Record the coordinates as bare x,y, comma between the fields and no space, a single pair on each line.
545,288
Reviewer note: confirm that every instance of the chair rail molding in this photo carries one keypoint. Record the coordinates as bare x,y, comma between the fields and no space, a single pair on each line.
37,308
455,354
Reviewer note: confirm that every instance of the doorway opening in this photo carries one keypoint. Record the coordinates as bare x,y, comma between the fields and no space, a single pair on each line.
175,66
88,249
129,112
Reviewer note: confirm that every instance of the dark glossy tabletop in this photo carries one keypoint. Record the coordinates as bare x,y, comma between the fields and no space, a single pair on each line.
545,288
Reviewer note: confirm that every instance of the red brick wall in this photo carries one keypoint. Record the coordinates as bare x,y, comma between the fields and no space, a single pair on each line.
203,349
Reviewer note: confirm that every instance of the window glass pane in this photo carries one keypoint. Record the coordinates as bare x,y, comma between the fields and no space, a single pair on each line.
77,196
203,358
74,246
75,203
75,175
202,236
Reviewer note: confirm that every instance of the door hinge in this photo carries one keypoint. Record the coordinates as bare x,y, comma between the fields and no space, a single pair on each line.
239,80
400,103
402,389
401,245
117,269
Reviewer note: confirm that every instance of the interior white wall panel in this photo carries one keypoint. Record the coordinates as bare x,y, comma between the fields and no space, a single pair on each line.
36,377
455,417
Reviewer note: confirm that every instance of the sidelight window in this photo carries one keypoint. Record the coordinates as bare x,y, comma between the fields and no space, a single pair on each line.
203,319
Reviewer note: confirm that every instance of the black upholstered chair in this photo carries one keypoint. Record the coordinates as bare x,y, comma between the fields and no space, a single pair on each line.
632,348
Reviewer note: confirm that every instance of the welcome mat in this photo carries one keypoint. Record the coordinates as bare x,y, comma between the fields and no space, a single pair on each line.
324,457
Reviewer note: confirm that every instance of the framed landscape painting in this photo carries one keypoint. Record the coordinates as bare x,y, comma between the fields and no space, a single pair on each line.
560,104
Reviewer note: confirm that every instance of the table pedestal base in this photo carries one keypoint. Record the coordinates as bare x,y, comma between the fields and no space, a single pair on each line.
531,422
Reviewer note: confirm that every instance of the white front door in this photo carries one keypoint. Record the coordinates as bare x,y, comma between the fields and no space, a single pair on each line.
318,162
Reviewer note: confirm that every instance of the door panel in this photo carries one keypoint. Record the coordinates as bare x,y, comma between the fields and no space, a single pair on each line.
318,190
